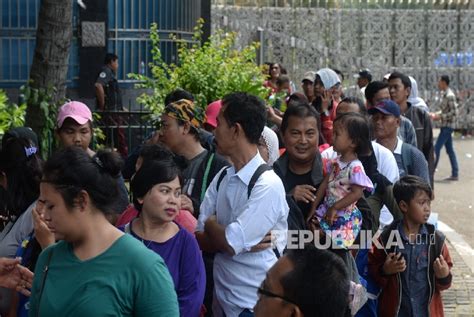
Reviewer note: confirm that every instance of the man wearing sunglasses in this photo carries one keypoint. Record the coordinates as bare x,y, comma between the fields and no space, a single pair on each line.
305,282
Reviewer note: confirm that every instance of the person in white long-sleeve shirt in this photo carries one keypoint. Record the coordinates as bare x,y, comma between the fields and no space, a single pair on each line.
232,223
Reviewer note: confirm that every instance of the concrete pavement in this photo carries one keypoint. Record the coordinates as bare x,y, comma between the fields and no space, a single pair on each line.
459,299
454,202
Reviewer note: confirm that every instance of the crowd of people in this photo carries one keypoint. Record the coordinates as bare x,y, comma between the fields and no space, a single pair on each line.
218,198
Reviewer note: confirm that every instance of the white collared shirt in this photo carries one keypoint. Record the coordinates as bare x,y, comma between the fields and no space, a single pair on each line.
398,147
246,221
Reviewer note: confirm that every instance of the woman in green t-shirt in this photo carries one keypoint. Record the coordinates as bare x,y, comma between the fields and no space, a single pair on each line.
95,270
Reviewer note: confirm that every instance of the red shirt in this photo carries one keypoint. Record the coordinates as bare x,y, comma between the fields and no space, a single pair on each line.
327,123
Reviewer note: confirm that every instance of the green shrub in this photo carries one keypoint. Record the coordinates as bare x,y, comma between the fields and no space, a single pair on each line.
11,115
208,71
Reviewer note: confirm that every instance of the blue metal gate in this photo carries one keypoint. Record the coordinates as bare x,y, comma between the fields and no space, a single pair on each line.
128,32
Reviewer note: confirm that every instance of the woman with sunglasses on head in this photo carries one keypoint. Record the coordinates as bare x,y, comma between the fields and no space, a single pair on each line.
95,270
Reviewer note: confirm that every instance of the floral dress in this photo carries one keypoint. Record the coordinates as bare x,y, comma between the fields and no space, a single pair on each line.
349,220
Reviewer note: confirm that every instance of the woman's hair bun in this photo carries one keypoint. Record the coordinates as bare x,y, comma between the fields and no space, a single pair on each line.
109,161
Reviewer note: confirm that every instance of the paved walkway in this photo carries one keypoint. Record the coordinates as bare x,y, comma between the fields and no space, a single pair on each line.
459,299
454,203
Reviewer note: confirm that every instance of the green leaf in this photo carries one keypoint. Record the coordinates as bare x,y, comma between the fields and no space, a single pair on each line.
209,71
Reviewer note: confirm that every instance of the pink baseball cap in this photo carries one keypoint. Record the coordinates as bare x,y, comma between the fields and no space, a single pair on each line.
75,110
212,111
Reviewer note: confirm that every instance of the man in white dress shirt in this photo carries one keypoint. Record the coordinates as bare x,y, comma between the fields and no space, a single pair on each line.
232,223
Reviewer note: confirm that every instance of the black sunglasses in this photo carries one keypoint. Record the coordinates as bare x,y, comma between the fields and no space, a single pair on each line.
270,294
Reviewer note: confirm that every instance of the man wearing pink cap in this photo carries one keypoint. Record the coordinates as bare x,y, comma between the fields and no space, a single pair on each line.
74,128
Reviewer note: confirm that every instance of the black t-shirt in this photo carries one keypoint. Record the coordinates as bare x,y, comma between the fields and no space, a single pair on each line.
370,166
293,180
190,173
113,97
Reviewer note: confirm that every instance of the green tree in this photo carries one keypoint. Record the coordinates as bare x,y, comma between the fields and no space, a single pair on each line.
50,60
208,71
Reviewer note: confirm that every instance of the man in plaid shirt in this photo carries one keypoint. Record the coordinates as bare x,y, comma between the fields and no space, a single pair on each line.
447,115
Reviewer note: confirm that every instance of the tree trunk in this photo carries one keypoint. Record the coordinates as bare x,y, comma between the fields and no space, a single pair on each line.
50,60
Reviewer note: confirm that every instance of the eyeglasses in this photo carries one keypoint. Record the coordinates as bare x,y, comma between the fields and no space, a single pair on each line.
261,291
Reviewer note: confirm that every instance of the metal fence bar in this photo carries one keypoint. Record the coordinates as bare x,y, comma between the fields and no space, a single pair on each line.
128,33
10,15
133,122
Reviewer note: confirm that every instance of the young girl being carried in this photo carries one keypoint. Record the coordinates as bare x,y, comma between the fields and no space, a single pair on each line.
345,181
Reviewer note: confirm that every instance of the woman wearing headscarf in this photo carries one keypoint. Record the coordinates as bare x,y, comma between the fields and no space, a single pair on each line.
268,146
414,99
325,84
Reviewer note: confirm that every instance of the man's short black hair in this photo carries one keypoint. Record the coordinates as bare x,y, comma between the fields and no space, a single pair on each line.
319,282
406,188
365,74
178,94
300,110
404,78
445,78
296,98
373,88
337,71
109,58
357,101
248,111
151,152
282,79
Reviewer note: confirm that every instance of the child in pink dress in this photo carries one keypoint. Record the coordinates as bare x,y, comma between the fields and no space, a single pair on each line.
345,181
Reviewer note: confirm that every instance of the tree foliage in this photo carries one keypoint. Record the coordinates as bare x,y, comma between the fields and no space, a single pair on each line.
41,100
208,71
11,115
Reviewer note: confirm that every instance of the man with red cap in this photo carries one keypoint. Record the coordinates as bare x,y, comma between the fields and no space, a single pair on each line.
212,111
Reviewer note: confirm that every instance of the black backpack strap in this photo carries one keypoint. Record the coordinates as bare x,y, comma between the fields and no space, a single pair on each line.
43,280
259,171
221,177
206,176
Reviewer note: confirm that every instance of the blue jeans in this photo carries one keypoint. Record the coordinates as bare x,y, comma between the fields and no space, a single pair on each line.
446,138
